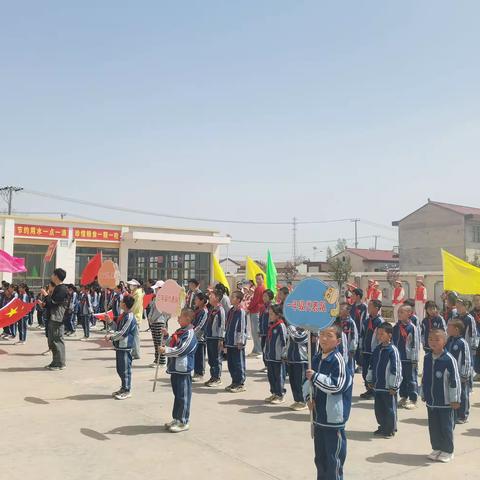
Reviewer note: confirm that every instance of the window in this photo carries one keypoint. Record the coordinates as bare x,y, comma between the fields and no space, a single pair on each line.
84,254
160,265
33,255
476,233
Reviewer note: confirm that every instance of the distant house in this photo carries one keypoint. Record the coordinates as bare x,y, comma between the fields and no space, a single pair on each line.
310,266
231,267
366,260
436,225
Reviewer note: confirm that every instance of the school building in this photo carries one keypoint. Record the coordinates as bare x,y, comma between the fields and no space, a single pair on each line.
142,252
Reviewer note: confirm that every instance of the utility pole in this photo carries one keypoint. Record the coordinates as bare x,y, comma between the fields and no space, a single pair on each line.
294,240
376,238
7,193
356,220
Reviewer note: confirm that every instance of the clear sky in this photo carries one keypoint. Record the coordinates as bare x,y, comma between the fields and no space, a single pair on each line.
251,110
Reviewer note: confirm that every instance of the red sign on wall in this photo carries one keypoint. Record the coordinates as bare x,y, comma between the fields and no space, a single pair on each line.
50,251
40,231
96,234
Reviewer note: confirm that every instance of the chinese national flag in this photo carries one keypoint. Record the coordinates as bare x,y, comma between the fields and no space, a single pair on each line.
13,311
90,272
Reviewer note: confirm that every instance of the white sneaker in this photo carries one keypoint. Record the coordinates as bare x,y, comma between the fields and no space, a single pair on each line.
216,383
20,343
410,405
278,400
434,455
153,365
170,424
298,406
238,389
123,395
444,457
402,402
179,427
197,379
270,398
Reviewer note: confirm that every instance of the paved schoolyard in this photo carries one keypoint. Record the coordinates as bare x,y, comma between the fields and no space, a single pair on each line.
65,425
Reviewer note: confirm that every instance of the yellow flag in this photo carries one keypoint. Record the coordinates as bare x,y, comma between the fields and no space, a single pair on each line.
460,276
219,274
252,270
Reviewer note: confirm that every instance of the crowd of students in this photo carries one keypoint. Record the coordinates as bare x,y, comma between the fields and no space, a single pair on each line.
214,326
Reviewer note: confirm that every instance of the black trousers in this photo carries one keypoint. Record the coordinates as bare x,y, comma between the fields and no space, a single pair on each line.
440,427
386,411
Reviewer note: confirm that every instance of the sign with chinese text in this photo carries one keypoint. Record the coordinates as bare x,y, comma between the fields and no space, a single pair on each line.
98,234
50,251
109,275
170,298
312,305
40,231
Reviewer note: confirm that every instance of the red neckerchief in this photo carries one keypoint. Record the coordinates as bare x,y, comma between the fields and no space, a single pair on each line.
370,323
345,327
476,315
271,326
403,331
174,338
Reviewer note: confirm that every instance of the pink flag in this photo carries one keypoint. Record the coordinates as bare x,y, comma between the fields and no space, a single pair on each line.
11,264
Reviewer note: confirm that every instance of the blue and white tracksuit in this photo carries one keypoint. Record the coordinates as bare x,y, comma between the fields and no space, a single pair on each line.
368,342
332,396
214,333
235,341
123,339
359,312
275,353
263,328
414,320
297,360
201,315
181,358
441,386
429,323
408,345
385,374
23,322
458,348
470,334
350,331
85,312
70,314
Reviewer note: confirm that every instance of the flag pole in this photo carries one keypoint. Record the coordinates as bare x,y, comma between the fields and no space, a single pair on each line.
309,350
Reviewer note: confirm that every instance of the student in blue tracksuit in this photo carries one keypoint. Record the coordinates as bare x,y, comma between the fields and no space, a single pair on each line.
297,361
268,297
114,304
275,353
441,390
385,377
358,312
85,309
331,383
123,339
201,314
432,321
470,328
214,333
235,341
350,331
368,341
22,324
457,346
180,353
406,337
70,314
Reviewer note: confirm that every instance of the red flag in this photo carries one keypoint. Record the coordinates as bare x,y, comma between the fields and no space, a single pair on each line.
90,272
13,311
50,251
101,316
147,299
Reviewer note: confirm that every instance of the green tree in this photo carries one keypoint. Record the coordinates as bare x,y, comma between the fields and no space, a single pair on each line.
339,266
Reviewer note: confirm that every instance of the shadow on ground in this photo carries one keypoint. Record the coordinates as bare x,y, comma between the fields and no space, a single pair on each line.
36,400
86,397
93,434
472,432
422,422
295,417
132,430
409,459
23,369
359,436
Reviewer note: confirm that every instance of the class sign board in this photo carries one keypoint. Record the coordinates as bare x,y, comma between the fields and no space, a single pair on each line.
312,305
170,298
109,275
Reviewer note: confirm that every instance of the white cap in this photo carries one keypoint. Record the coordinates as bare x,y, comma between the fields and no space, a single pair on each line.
159,284
133,282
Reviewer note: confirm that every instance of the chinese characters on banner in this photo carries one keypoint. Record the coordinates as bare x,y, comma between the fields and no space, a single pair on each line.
96,234
308,305
42,231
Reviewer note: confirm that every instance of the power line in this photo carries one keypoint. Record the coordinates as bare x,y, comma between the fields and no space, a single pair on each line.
7,194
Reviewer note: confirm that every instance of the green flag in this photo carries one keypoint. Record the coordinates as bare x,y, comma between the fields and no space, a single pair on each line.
271,274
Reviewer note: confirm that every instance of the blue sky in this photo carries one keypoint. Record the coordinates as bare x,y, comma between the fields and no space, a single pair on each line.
255,110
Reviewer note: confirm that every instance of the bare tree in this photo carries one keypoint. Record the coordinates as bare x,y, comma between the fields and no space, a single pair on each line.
339,267
290,271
